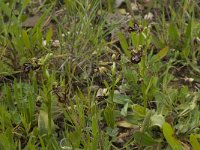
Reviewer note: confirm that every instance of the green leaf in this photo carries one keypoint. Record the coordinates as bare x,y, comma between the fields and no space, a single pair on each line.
125,124
162,53
124,44
49,35
124,110
149,85
37,37
4,142
194,141
43,123
131,75
74,138
135,39
109,116
173,33
95,133
112,131
189,28
143,139
169,136
157,41
95,126
186,50
5,8
24,6
25,3
26,39
139,109
186,47
121,99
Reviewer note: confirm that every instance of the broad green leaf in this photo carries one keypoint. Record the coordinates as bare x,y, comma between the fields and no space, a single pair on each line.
39,35
134,118
95,131
124,44
121,99
139,110
135,39
173,33
95,125
194,141
26,39
49,35
169,136
162,53
43,123
125,124
143,139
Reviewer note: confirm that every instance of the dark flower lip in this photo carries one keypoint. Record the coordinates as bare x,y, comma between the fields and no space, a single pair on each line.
135,59
27,67
135,28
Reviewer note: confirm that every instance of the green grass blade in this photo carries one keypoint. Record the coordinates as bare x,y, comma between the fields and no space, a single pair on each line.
124,44
194,141
162,53
169,136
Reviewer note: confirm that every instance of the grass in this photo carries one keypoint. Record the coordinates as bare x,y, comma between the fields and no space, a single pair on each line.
64,86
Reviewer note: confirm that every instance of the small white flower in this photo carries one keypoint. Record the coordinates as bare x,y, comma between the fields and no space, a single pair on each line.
56,43
148,16
44,42
118,3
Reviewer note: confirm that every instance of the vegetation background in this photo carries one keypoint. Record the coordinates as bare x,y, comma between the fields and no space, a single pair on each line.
93,75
